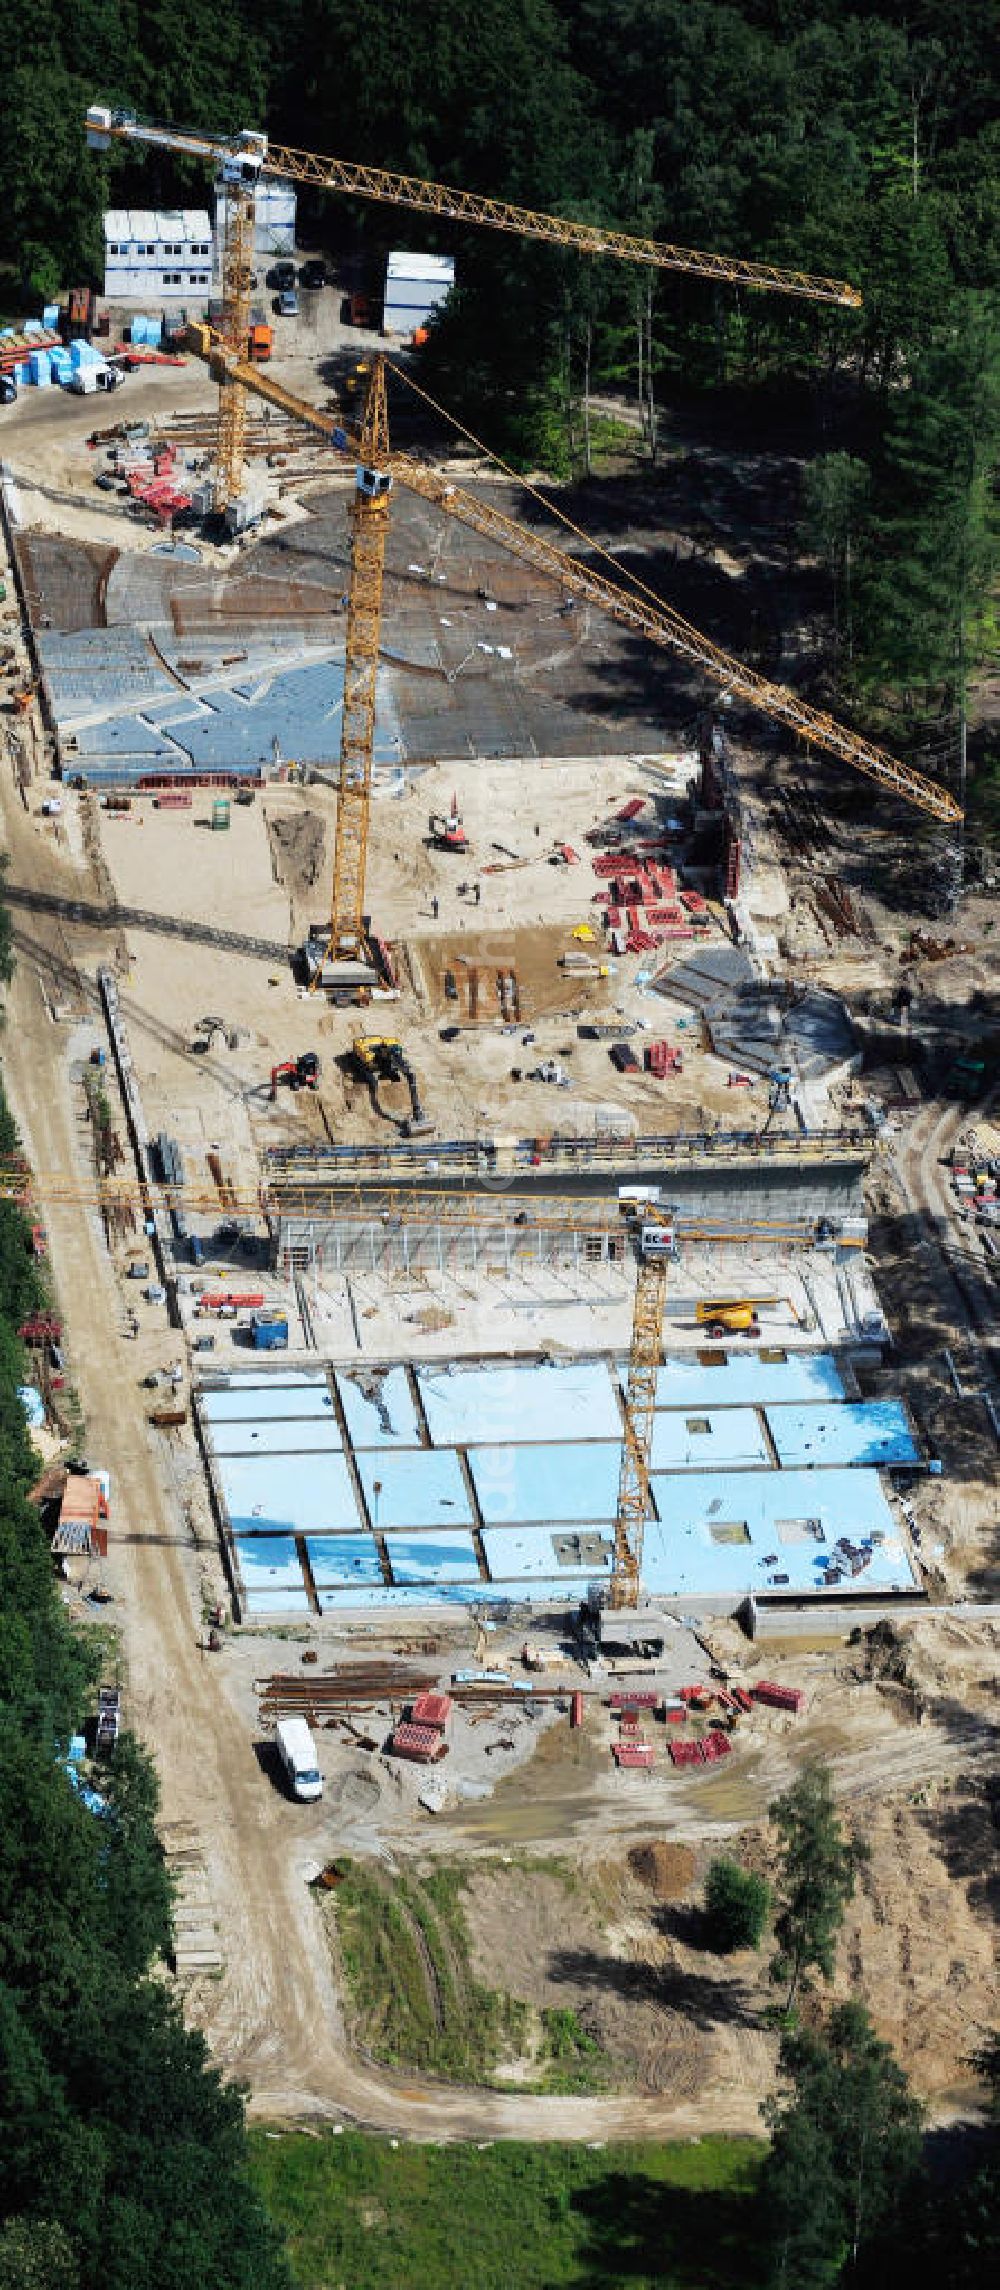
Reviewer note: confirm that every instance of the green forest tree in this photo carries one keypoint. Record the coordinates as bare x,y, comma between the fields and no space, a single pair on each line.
845,2153
814,1883
736,1906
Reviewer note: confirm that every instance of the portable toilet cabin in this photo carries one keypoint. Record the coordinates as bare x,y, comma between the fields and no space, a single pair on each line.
220,812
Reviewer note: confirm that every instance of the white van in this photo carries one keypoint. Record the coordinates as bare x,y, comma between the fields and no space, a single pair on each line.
300,1764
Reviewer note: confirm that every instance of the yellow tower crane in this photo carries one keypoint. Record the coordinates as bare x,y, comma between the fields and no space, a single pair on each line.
633,607
369,521
240,161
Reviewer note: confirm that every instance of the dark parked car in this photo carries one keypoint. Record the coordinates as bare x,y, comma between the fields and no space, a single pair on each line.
282,276
313,275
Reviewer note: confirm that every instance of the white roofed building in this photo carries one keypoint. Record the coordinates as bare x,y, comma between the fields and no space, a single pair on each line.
157,255
415,286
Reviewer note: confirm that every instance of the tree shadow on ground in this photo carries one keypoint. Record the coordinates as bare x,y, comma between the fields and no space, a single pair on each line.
642,2232
703,1998
965,1830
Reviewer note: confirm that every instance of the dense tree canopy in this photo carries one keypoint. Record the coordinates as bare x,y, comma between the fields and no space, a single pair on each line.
121,2152
857,138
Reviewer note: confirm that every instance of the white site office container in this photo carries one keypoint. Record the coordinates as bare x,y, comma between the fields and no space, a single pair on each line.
415,286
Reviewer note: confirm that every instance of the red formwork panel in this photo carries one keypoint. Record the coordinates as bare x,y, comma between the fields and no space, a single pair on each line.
633,1754
431,1709
686,1753
640,1700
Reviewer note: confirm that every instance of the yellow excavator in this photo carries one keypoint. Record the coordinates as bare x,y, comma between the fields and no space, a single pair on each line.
377,1058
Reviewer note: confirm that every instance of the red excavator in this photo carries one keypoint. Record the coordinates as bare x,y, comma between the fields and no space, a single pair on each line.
447,832
299,1073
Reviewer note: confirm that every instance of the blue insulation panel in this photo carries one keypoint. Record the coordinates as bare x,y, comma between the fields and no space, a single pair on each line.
267,1494
288,1437
387,1418
269,1562
709,1439
508,1402
270,1399
417,1488
292,1604
338,1559
726,1533
517,1555
874,1432
431,1558
545,1483
742,1379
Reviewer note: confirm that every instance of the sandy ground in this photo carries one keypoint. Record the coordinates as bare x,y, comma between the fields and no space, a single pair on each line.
273,2015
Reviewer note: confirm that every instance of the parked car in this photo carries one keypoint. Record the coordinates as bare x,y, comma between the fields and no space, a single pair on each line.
282,275
313,275
287,304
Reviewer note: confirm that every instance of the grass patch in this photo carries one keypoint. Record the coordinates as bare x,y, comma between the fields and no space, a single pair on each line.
569,2059
360,2212
405,1953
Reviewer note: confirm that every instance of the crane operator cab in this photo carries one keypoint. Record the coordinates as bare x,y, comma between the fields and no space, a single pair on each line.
373,484
657,1242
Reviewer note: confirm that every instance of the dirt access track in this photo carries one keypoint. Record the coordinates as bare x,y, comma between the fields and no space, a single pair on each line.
274,2017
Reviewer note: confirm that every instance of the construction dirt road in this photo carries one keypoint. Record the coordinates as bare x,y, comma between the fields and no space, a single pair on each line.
274,2017
915,1754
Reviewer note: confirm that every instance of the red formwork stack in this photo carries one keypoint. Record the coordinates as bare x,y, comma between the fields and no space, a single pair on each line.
422,1735
422,1743
715,1745
775,1697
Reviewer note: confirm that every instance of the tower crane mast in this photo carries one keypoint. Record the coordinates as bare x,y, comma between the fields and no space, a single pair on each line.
369,521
